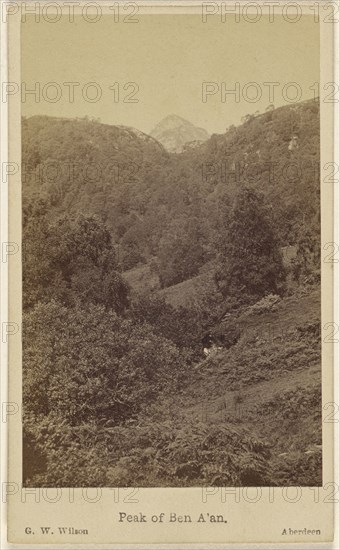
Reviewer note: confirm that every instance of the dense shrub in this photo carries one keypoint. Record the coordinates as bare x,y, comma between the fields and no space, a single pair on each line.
192,454
180,325
299,469
88,366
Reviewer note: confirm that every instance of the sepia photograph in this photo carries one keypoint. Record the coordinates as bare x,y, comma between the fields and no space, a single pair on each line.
172,260
171,252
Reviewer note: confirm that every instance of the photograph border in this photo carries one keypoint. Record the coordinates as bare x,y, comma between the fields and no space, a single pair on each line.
26,507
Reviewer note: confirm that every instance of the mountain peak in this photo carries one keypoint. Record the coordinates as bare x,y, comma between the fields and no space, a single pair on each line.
175,120
173,132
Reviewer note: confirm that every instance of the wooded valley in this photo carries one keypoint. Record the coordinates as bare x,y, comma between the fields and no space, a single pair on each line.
172,304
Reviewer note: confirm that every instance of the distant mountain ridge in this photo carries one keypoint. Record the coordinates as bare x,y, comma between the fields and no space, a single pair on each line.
174,132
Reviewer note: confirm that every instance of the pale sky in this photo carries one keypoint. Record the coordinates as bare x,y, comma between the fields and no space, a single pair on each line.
169,57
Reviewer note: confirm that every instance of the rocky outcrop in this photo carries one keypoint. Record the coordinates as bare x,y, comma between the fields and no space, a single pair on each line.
174,133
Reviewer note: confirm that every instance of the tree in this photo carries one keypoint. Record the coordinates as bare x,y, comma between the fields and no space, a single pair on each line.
307,262
69,259
250,260
181,252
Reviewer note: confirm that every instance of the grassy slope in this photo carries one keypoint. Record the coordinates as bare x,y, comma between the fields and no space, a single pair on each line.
262,393
284,407
185,293
270,332
141,279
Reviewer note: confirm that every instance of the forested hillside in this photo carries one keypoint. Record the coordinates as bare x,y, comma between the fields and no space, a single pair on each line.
148,197
151,285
